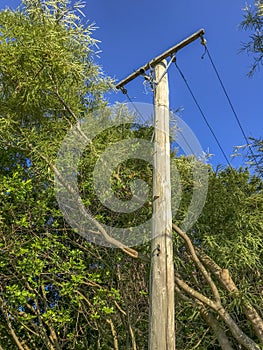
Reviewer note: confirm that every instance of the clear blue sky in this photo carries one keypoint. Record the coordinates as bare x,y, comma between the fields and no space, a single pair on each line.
134,32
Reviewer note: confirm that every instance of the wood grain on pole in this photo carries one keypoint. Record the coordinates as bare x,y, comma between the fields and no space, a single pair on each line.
162,328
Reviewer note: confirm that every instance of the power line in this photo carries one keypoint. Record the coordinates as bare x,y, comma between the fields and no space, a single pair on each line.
125,92
230,103
202,113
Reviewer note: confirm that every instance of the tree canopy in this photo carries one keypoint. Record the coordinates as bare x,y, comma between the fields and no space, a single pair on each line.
253,22
60,291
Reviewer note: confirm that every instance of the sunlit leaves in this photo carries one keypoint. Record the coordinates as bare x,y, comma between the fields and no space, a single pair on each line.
253,22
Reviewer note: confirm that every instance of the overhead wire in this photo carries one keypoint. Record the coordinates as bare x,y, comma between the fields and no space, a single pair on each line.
187,143
125,92
202,113
203,41
173,118
153,83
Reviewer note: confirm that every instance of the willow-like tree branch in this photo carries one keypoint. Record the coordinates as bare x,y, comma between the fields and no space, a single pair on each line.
216,305
227,282
197,262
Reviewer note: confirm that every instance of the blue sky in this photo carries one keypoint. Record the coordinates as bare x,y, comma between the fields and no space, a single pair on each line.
134,32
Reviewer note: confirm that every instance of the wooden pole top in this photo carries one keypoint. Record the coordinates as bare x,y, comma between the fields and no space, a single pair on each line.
159,58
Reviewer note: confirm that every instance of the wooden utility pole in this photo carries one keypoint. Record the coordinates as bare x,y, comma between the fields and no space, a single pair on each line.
162,335
162,323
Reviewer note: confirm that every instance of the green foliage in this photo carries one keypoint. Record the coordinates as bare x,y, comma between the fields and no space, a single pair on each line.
230,232
253,21
254,155
46,52
235,204
57,290
47,64
123,176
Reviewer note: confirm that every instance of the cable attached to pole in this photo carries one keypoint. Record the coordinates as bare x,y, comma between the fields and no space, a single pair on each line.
166,69
202,113
203,42
125,92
